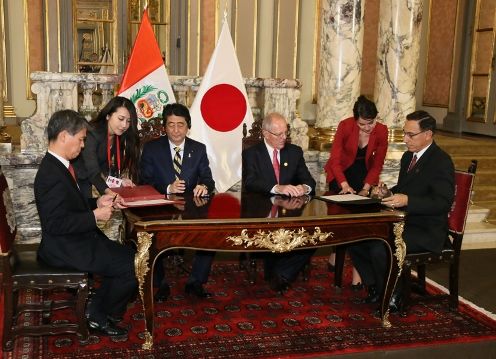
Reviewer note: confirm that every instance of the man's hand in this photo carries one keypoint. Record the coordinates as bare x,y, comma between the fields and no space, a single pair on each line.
290,190
106,200
103,213
200,190
396,200
178,186
290,203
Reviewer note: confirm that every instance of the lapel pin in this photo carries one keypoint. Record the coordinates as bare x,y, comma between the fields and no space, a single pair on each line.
285,164
189,155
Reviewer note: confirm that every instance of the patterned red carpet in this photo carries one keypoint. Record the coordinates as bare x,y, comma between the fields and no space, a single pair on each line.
250,321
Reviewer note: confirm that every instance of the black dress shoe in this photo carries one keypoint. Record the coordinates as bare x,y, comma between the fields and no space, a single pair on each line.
162,293
357,287
114,319
279,284
108,329
373,296
395,303
196,289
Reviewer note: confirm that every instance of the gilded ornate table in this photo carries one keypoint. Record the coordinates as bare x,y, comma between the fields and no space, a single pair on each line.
235,222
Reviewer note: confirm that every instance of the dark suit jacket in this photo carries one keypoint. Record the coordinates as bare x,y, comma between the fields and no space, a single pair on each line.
92,162
345,147
157,168
430,189
70,237
258,173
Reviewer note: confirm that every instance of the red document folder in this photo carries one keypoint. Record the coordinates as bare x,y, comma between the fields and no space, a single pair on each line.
138,193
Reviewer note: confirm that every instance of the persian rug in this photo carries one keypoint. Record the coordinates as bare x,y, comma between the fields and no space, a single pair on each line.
250,321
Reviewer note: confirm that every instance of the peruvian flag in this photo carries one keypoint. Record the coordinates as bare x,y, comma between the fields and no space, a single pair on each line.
218,112
145,81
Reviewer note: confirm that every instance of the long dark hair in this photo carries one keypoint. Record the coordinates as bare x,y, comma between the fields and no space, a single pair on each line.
129,140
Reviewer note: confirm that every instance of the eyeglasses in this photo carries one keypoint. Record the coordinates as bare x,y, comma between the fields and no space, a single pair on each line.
411,134
280,135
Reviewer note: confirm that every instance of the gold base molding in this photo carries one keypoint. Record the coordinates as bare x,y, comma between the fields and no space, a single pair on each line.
321,139
9,111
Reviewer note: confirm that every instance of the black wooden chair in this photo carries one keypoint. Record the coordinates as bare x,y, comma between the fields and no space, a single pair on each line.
451,253
56,288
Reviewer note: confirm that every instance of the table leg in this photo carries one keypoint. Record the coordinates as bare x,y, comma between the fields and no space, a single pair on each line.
398,256
143,276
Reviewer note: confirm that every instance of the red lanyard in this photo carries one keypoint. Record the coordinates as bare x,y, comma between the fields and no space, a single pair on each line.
118,154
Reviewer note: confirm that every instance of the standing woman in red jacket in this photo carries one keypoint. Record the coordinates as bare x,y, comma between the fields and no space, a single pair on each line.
357,155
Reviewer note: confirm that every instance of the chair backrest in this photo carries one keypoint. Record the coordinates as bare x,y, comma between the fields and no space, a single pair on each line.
7,225
151,129
457,217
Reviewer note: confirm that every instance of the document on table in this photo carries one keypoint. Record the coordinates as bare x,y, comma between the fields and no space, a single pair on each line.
150,202
349,199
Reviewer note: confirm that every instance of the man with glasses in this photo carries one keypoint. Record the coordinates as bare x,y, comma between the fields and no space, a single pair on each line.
278,168
425,190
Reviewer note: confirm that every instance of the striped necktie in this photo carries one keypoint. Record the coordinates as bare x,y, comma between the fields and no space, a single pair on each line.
177,162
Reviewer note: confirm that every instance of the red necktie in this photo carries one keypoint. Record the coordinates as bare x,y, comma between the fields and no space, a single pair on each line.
73,173
412,163
273,211
275,164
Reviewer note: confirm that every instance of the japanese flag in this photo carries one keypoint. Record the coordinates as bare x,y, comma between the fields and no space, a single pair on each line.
218,112
145,81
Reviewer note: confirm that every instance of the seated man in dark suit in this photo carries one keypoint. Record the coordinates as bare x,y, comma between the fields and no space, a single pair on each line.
425,190
275,167
70,236
176,164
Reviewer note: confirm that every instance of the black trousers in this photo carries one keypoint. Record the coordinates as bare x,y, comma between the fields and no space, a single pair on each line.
202,263
118,282
286,265
370,259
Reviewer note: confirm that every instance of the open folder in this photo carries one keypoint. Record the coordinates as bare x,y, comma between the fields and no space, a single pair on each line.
349,199
142,196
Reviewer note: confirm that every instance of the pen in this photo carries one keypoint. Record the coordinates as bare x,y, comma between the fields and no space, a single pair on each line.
113,201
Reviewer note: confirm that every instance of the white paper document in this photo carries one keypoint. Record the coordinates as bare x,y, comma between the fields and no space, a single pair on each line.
349,198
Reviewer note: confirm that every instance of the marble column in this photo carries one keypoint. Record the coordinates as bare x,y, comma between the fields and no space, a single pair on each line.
398,56
341,40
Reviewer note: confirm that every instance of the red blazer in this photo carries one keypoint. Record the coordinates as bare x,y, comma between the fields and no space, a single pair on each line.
345,147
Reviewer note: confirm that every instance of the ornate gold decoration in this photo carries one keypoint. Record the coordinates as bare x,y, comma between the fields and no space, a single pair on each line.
400,251
281,240
141,268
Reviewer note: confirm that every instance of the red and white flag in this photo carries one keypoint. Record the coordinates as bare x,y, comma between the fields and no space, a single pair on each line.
218,112
145,81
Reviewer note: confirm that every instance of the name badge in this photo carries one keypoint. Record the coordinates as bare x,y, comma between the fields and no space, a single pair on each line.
113,182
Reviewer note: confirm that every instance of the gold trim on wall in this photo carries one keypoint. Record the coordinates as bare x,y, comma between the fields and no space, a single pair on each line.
295,47
316,51
4,54
275,65
29,95
59,30
47,37
188,33
198,48
255,27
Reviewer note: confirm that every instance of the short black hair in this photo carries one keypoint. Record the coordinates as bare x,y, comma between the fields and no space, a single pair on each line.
176,109
425,120
65,120
364,108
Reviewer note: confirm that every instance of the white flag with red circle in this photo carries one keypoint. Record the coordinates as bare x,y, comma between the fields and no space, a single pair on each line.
218,112
145,81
